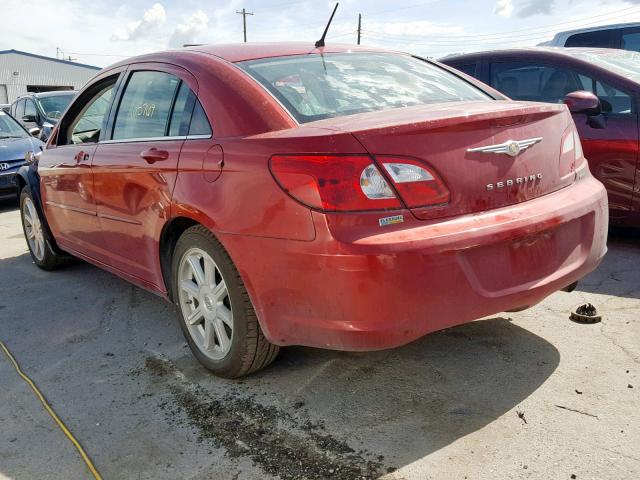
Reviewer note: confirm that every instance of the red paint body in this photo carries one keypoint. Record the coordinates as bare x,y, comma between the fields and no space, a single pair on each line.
336,280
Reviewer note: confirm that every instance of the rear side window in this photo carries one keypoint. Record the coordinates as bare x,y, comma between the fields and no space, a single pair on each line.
199,123
631,39
597,39
179,117
145,105
188,117
313,87
537,83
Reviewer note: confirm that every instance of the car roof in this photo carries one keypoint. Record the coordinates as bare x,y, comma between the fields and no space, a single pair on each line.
53,93
614,26
573,52
608,58
239,52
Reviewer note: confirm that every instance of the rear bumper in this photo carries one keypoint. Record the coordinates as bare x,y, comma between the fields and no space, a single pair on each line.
388,288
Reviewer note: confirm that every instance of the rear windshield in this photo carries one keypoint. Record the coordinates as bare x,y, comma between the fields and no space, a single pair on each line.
315,87
622,62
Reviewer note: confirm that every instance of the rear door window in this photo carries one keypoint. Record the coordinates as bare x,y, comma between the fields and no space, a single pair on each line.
313,87
188,116
199,122
179,123
145,106
535,82
631,39
597,39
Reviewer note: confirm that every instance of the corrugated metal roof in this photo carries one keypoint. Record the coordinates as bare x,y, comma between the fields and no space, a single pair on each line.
42,57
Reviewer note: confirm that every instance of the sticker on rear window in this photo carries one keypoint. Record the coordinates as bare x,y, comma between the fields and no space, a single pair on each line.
383,222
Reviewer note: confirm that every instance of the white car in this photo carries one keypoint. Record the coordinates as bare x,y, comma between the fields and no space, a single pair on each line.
625,36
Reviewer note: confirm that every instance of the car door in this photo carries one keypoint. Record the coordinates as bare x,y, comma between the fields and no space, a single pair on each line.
611,151
67,185
611,144
135,168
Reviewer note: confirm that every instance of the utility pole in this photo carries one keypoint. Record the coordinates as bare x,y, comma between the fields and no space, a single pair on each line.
244,14
359,26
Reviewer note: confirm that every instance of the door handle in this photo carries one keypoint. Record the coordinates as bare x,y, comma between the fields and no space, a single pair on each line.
154,155
81,156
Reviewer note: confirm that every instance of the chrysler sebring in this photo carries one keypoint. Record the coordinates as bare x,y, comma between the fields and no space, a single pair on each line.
336,197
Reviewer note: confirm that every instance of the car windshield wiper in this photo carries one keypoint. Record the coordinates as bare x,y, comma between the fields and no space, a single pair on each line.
10,136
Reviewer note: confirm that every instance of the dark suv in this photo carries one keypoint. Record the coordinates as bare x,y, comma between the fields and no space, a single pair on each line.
41,110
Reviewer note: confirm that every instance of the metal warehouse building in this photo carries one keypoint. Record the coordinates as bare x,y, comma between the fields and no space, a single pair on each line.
22,72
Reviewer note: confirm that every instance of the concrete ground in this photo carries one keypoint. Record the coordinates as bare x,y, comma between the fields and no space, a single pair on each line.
526,395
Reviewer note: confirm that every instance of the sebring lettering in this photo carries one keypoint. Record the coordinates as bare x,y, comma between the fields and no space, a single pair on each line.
518,181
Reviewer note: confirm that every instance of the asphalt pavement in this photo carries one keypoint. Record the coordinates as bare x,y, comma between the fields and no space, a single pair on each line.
527,395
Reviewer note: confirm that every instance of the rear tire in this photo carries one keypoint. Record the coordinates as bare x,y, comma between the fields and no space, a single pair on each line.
38,239
216,315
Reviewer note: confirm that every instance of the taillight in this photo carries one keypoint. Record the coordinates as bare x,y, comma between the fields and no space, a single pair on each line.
334,182
417,184
355,182
571,155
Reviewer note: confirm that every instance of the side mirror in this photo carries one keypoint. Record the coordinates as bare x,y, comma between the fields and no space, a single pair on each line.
31,158
583,102
34,132
29,118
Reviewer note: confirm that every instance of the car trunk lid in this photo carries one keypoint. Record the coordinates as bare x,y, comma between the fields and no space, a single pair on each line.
456,140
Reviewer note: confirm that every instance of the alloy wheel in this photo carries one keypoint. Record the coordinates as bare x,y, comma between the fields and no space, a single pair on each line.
33,228
205,303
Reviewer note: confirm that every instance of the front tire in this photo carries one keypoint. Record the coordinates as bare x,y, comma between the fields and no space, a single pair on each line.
217,317
36,235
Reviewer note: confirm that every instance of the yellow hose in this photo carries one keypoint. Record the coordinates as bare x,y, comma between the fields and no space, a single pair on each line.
50,411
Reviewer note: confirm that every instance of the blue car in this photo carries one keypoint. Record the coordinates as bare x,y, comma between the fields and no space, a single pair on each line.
15,142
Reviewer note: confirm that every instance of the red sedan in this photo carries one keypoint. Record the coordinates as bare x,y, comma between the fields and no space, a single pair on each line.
340,197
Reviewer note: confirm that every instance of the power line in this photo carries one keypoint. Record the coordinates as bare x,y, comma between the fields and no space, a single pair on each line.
407,7
527,31
98,55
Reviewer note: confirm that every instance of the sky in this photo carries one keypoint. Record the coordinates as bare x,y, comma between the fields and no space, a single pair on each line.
101,32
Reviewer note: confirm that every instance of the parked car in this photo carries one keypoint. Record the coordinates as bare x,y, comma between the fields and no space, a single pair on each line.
15,142
625,36
342,197
41,110
608,128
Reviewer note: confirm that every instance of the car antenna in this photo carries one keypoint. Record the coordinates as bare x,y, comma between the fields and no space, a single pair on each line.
320,43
